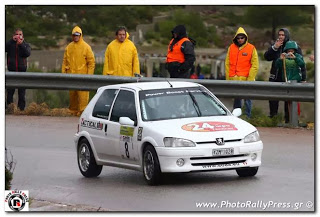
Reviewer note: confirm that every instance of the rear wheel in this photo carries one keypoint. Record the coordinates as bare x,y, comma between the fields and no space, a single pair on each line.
86,161
247,172
151,166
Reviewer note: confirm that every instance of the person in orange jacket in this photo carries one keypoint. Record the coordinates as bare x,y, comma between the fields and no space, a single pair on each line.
180,56
241,64
78,59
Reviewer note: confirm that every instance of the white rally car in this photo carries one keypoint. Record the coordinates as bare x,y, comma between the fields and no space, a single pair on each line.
164,127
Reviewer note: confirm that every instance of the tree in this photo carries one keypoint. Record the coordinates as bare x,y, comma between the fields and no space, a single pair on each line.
276,16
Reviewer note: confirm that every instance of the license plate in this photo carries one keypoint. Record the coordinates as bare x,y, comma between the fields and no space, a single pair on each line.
222,151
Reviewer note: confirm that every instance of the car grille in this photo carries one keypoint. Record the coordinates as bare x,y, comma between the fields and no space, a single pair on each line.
217,163
214,142
217,157
217,160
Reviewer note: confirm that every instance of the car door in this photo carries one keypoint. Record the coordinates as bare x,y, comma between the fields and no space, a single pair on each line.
99,117
124,137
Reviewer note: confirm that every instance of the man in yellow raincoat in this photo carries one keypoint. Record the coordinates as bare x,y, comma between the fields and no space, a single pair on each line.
78,59
241,64
121,56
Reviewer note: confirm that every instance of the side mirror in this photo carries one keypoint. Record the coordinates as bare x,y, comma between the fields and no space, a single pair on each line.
126,121
237,112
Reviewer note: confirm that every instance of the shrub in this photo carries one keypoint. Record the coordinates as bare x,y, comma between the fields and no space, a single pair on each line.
205,69
260,77
9,176
152,35
259,119
10,164
54,99
261,55
98,70
38,109
310,71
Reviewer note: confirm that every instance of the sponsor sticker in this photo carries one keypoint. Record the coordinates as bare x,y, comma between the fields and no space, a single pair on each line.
222,165
209,126
125,138
91,124
16,200
126,131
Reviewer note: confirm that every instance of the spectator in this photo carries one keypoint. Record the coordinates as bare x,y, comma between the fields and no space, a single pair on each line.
289,65
272,54
198,69
201,76
121,56
241,64
17,50
311,58
78,59
212,77
180,56
194,76
220,76
192,70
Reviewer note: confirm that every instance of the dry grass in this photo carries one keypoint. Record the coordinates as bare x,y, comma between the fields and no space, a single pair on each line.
38,110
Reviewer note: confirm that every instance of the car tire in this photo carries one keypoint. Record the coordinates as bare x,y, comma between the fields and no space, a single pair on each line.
247,172
151,166
86,161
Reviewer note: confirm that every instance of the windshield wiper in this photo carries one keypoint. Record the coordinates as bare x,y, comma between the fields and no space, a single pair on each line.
195,104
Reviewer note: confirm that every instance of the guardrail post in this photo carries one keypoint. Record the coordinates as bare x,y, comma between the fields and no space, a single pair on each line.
293,111
149,64
294,114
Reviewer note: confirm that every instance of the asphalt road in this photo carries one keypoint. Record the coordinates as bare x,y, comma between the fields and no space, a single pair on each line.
46,166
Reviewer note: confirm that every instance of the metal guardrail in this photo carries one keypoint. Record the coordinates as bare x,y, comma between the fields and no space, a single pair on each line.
303,92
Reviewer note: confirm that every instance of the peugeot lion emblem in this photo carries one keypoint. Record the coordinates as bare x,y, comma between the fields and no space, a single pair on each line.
219,141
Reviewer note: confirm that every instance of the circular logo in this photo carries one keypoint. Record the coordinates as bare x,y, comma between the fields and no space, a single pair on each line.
16,202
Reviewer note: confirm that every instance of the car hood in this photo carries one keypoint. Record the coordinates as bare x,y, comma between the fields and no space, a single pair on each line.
202,129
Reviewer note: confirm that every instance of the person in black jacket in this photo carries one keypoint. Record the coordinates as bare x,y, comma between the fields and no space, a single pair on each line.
180,56
272,54
17,52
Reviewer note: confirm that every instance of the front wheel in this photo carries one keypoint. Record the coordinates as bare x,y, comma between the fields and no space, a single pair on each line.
247,172
86,161
151,166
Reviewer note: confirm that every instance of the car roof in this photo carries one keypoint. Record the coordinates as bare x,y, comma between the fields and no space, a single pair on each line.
152,85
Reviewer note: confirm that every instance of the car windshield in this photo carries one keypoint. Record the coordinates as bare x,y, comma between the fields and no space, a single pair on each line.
175,103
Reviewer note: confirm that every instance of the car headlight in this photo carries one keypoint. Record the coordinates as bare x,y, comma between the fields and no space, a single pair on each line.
176,142
252,137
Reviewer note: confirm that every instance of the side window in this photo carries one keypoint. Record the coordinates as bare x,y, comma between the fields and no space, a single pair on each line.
103,104
124,106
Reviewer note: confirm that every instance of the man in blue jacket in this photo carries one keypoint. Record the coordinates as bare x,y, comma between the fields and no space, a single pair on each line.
17,52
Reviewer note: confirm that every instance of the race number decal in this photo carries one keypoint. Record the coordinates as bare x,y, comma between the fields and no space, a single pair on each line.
209,126
140,133
126,146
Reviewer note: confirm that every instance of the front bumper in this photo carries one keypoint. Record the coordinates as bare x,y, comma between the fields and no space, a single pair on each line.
200,158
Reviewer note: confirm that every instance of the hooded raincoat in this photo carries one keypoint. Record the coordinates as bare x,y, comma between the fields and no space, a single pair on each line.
292,65
78,59
242,63
121,59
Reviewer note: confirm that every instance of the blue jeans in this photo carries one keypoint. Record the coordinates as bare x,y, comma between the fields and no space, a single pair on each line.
247,102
